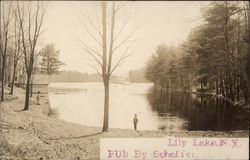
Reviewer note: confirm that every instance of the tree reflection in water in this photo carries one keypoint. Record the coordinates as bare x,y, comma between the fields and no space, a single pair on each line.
198,112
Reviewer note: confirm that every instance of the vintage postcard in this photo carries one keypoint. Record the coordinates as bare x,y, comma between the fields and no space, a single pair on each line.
124,80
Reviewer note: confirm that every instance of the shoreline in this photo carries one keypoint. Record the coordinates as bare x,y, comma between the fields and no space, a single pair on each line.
32,135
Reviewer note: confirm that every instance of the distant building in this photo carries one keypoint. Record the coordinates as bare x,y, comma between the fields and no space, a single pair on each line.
40,82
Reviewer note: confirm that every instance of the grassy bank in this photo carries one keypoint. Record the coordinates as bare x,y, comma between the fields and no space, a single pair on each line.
32,135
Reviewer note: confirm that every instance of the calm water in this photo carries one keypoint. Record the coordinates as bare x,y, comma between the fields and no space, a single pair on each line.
156,109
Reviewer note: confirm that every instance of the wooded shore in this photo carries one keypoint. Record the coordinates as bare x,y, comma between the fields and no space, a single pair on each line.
32,135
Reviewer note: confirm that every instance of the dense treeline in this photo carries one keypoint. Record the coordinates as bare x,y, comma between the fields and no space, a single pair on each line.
214,58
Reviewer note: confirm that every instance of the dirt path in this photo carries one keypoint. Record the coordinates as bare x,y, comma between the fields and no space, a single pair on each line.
31,135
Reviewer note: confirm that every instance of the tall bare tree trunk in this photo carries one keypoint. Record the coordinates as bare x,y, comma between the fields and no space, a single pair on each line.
104,67
27,94
3,77
17,36
13,79
31,85
106,106
104,59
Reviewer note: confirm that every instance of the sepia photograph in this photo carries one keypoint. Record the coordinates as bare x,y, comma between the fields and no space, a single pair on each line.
99,80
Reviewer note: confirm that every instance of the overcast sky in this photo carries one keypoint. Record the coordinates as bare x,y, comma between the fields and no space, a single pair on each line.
159,22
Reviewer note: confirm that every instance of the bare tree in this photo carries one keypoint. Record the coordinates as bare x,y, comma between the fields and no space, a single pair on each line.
31,18
17,48
5,20
107,40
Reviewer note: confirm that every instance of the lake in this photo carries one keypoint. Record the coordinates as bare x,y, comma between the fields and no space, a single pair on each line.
157,109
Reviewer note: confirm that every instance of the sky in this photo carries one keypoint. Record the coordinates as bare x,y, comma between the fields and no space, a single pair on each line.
158,22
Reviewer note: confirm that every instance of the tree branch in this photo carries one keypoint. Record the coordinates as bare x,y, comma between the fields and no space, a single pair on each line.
91,35
120,6
126,39
121,60
111,38
243,9
119,32
92,24
95,68
92,55
93,51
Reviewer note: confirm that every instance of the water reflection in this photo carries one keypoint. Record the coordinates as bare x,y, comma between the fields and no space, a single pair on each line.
198,112
82,103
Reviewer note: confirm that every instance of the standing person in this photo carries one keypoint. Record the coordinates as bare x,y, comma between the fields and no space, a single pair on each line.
135,122
38,98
